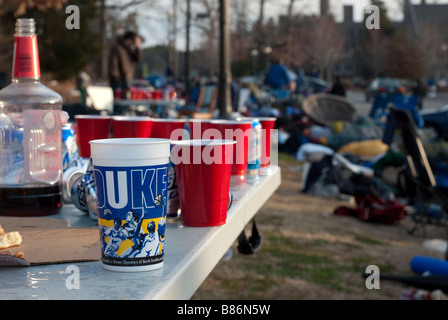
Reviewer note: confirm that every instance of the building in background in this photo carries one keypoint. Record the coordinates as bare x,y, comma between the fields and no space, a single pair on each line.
424,26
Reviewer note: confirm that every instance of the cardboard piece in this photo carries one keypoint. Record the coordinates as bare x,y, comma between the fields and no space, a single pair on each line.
50,241
31,223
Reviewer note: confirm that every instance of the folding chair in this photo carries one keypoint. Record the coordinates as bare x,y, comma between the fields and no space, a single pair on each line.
380,105
244,95
427,191
325,108
204,106
409,103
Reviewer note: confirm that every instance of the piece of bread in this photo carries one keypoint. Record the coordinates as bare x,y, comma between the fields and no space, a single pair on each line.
2,231
10,239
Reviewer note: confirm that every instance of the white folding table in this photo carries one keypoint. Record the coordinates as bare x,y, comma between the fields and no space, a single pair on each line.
191,253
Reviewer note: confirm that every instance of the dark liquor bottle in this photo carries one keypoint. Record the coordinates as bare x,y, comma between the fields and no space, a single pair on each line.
30,135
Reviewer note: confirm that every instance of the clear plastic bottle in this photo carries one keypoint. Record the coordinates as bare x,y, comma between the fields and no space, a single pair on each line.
30,135
254,155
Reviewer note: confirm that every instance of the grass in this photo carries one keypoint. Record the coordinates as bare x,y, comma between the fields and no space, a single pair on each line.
368,240
287,159
287,258
255,285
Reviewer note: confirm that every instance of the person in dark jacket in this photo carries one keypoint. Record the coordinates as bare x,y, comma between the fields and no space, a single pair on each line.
123,58
419,90
278,76
338,88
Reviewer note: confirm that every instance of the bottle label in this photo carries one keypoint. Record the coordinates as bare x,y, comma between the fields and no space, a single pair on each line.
26,58
131,204
42,145
254,156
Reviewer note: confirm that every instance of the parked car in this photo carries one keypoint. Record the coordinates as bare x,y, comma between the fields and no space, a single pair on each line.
255,79
384,86
309,85
437,120
314,85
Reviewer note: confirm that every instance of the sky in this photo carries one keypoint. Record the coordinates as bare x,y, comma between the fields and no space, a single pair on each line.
336,7
154,26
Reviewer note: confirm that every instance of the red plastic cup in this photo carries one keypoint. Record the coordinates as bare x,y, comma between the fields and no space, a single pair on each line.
117,93
172,129
91,127
238,131
133,93
203,169
157,94
147,94
131,127
198,127
267,127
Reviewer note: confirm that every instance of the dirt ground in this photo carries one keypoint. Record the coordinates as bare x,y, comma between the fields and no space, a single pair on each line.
308,253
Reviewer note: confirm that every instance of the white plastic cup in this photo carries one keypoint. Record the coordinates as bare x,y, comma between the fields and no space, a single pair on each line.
131,178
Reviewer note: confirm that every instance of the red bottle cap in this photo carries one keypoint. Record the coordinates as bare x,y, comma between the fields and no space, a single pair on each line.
26,57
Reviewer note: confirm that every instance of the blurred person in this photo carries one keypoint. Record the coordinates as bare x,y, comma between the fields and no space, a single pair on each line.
170,75
337,88
195,87
234,94
123,58
83,80
419,90
278,76
300,81
314,72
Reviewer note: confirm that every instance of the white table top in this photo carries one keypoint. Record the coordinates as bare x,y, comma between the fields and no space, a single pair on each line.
191,253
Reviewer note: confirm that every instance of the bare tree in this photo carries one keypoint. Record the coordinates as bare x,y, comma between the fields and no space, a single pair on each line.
261,12
323,43
372,52
403,59
20,7
241,38
205,23
290,8
434,49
